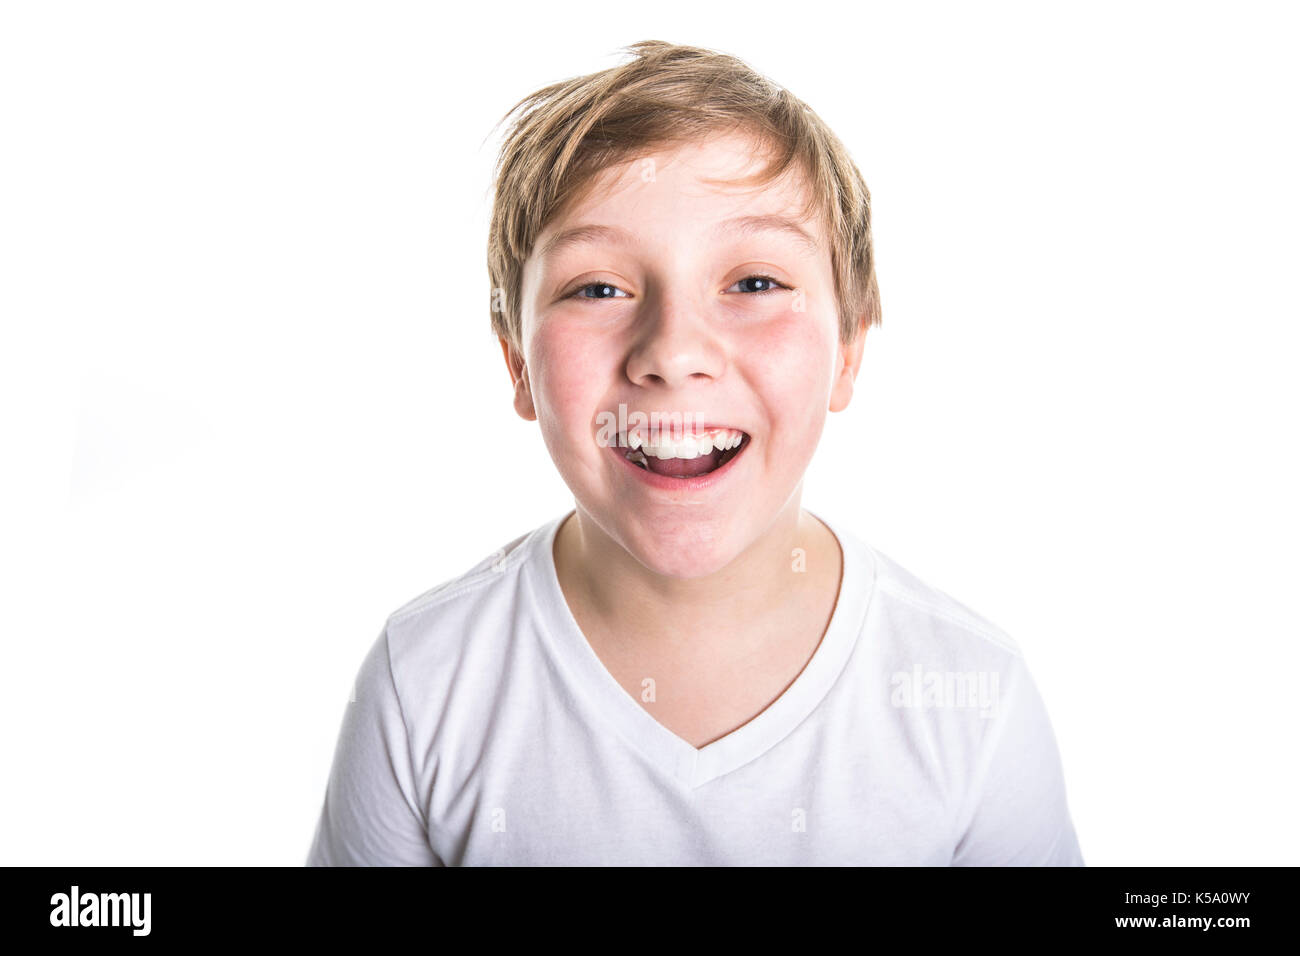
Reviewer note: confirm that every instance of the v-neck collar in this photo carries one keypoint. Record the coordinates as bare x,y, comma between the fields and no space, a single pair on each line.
691,766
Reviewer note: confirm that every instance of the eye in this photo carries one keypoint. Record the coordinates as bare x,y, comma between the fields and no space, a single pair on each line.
604,290
770,284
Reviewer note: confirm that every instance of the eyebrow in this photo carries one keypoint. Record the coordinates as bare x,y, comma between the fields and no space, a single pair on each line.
741,225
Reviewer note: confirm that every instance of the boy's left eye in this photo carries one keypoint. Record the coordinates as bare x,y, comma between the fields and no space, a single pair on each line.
606,290
767,281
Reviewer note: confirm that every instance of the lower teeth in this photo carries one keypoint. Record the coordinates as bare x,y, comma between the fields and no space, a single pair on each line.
637,457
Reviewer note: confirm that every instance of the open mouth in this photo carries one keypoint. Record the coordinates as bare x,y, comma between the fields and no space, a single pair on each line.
684,456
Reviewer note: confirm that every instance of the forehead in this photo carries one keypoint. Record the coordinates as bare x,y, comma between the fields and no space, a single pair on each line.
697,187
801,234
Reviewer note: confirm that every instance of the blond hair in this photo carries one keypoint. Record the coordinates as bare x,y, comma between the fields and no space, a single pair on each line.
568,132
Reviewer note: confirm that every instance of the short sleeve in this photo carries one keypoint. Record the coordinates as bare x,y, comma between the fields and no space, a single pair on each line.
1016,812
371,815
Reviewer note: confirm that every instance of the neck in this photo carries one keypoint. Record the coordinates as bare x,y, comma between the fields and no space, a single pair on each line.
613,594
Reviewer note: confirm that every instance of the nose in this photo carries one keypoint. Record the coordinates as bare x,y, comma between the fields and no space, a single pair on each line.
674,346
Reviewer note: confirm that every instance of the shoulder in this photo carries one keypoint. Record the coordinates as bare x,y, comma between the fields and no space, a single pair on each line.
921,620
964,702
487,571
471,615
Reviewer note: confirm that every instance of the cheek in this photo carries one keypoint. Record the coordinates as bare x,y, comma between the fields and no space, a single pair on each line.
566,383
790,362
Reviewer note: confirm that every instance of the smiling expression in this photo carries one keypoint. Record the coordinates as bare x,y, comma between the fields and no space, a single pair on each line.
674,293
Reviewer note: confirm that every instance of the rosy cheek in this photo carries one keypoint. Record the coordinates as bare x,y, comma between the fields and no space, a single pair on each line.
792,357
567,383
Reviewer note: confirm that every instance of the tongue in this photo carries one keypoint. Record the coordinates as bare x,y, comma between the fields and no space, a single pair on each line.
684,467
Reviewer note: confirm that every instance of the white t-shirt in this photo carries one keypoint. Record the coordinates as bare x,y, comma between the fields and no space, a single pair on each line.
486,731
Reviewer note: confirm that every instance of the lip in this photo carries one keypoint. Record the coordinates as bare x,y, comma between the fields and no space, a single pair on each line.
669,483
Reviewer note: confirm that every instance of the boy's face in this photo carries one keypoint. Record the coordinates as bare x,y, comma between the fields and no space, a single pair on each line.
669,319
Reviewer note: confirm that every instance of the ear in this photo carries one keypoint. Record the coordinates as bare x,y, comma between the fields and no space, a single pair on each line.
519,378
848,362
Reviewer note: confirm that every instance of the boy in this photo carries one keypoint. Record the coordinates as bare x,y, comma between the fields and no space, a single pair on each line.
688,668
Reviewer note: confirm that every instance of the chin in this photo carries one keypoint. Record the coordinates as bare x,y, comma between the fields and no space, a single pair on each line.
683,552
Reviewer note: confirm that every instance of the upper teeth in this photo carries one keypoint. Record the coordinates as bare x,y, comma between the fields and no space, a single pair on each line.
689,446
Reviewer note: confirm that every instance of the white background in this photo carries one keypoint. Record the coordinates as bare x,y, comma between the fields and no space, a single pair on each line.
245,337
